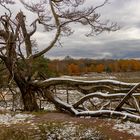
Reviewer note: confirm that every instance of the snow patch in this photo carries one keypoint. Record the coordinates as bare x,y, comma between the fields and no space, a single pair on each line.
129,127
69,131
9,119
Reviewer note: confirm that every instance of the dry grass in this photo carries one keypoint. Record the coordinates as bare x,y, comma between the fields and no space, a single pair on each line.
10,133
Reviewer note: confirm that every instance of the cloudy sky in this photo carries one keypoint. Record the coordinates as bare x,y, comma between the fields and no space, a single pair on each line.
124,43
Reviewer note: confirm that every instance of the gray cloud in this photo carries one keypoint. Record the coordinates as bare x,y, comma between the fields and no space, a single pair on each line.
124,43
110,50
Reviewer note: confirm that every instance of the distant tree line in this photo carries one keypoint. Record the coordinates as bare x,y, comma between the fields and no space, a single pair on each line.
83,66
44,68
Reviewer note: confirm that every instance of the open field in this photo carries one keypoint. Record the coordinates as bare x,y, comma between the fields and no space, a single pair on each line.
130,77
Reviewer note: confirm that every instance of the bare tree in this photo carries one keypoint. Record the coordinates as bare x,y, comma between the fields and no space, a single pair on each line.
16,45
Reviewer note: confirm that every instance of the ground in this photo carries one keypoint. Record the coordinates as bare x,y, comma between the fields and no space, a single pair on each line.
105,126
51,124
56,125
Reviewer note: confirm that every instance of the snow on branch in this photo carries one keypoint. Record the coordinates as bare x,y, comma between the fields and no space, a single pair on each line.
105,113
101,96
73,82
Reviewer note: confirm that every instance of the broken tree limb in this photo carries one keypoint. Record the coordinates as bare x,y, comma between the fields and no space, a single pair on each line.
57,102
109,113
136,104
104,113
73,82
86,87
128,95
101,96
110,89
109,98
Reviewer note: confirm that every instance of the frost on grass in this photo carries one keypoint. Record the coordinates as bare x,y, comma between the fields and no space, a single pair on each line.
129,127
68,131
9,119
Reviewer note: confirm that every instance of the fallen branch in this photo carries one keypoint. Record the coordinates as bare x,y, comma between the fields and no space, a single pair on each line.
101,96
109,113
127,96
104,113
71,82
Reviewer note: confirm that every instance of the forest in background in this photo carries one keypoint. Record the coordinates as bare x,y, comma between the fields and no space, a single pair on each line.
70,66
46,68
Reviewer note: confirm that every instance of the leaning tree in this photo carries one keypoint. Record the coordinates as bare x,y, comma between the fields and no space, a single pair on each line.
16,37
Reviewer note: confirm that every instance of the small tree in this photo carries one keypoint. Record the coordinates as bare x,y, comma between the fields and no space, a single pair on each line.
16,43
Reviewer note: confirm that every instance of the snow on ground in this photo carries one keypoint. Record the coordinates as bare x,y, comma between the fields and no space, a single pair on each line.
129,127
69,131
9,119
48,106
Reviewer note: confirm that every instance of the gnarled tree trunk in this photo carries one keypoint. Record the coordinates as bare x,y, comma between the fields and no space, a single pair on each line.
28,94
27,91
29,99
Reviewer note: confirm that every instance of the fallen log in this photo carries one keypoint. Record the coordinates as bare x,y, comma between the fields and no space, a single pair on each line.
102,96
99,113
71,82
127,96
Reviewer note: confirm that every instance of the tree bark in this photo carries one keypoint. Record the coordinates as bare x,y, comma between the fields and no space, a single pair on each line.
27,91
28,94
29,99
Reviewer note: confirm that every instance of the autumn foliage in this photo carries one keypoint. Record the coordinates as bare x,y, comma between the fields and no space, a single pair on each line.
73,69
83,66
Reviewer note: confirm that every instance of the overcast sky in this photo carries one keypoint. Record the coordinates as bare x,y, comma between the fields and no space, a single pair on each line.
124,43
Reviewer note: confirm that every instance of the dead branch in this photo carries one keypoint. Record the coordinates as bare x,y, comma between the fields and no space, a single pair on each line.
78,83
107,98
101,96
105,113
128,95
